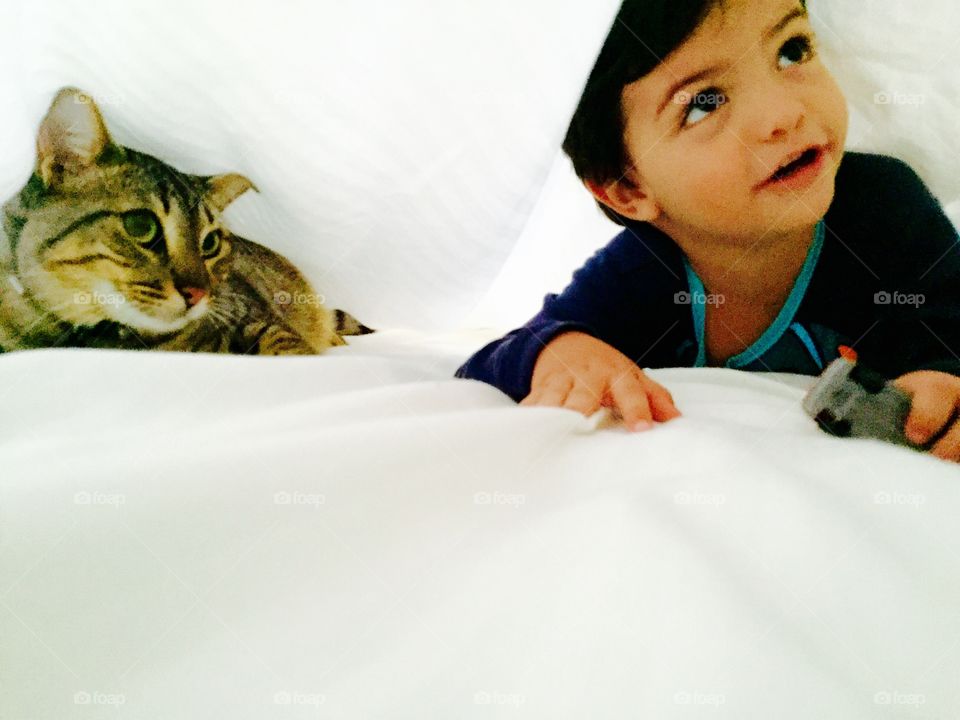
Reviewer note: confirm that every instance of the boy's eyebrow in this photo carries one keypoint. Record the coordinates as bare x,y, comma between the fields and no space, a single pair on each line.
797,12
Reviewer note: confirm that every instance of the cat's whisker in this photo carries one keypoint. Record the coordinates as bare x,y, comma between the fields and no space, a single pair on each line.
216,319
228,312
223,321
147,294
144,302
157,291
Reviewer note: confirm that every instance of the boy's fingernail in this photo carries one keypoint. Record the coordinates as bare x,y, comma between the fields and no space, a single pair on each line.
642,425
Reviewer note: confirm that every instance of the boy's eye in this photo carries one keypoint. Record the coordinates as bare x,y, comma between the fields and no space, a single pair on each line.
796,50
702,104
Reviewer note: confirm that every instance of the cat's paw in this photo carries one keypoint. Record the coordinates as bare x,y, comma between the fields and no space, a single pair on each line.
262,338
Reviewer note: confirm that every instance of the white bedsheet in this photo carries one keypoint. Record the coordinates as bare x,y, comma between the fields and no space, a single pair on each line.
360,536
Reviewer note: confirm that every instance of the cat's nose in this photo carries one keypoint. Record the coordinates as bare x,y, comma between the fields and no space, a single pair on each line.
192,295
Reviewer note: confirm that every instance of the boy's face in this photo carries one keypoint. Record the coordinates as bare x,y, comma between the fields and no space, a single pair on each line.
702,150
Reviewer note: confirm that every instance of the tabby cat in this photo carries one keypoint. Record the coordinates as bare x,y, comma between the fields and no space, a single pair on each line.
109,247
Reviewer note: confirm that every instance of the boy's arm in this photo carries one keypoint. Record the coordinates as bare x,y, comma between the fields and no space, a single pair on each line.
597,302
508,363
919,329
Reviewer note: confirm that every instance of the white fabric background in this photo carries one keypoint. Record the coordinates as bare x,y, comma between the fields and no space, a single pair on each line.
360,536
406,150
399,146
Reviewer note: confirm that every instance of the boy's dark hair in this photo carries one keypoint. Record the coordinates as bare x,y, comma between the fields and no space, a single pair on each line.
643,33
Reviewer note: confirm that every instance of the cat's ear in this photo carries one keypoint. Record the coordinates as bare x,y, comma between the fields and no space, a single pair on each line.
72,135
221,190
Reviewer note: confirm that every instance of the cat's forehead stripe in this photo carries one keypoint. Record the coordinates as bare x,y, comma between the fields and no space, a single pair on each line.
180,189
170,185
72,227
164,190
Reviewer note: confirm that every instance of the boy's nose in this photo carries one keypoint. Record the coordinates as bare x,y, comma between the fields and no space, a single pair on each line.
778,111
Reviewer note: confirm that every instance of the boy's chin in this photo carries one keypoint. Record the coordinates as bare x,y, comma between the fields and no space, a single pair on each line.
797,212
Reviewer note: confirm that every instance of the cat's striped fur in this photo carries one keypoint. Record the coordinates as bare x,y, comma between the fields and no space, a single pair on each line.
109,247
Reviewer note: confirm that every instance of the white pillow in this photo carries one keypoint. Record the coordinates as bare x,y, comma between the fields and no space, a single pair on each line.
399,145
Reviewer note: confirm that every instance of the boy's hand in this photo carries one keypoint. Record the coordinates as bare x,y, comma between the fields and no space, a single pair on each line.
936,395
578,372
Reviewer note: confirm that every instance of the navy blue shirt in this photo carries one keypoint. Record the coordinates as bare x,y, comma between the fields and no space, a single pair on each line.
882,275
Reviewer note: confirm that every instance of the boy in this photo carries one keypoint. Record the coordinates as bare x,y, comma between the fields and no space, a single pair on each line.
715,135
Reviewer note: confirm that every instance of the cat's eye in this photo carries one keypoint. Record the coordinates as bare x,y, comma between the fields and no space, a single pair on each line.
143,226
210,245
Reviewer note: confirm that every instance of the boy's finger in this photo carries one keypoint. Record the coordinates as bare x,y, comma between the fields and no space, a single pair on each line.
661,401
584,399
948,447
532,399
929,413
630,399
553,392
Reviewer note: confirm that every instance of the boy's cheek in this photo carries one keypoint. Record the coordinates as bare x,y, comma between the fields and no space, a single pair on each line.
834,109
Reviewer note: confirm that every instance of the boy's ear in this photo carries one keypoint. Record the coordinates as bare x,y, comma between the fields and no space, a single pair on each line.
626,197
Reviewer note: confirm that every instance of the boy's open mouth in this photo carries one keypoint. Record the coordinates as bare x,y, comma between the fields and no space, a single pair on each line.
792,167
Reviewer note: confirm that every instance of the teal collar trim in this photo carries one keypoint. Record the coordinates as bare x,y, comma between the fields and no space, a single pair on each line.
780,325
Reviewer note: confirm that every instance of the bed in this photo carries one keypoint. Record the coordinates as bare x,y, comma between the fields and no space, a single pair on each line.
359,534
